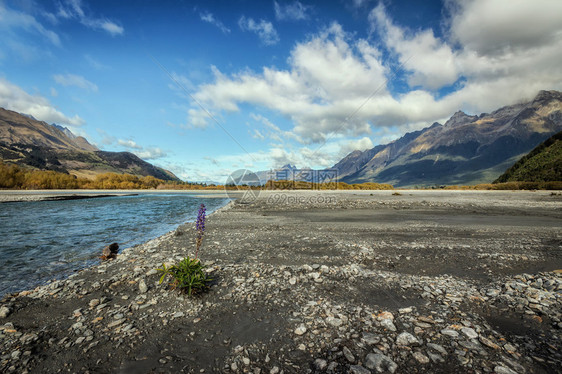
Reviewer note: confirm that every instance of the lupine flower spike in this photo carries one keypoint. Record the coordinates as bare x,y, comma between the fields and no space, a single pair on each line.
200,227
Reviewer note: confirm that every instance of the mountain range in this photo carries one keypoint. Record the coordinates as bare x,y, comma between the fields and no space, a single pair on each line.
467,149
28,142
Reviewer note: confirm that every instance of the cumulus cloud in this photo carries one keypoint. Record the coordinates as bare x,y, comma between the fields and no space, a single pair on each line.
264,29
505,26
14,98
336,85
210,18
75,80
356,144
292,12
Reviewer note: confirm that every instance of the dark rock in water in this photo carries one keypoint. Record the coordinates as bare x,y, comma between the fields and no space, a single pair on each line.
110,251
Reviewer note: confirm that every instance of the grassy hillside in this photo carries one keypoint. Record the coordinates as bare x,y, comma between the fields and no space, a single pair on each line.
542,164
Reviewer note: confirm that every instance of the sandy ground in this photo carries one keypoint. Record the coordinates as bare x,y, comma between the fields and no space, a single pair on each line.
344,281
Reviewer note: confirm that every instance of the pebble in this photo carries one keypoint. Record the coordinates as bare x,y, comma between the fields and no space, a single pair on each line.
4,312
451,333
406,339
420,357
388,324
470,333
348,355
335,322
143,288
301,330
357,369
320,364
380,362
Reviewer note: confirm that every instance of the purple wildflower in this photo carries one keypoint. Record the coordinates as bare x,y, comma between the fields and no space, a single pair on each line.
200,227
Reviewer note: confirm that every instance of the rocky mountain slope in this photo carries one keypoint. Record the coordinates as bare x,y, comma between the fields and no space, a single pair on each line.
467,149
542,164
36,144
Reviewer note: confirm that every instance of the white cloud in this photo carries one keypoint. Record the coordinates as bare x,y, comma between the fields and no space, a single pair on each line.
294,12
503,26
264,29
129,144
73,9
336,84
210,18
13,19
146,153
54,92
357,144
431,61
95,63
12,97
75,80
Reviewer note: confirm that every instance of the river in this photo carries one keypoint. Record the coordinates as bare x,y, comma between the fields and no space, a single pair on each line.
43,240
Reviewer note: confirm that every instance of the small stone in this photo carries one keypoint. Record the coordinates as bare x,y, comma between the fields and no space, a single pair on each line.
94,303
320,364
420,357
116,323
380,363
178,314
348,355
450,332
80,340
438,348
435,357
335,322
302,347
487,342
233,366
509,348
406,339
503,370
274,370
357,369
143,288
292,281
470,333
388,324
301,330
16,355
370,338
246,361
405,310
4,312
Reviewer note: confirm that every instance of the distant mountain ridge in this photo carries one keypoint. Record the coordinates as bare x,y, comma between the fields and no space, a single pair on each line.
467,149
28,142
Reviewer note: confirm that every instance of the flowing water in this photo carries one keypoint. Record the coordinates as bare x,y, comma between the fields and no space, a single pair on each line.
43,240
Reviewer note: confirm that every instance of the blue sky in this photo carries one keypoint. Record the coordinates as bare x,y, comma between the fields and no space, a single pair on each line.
203,88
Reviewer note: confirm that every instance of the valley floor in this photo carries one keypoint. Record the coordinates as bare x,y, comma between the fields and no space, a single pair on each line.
317,281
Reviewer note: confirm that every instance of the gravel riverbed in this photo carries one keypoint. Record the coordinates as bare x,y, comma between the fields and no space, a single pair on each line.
317,282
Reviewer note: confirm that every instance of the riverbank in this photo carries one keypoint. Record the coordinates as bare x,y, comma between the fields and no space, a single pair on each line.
8,196
308,281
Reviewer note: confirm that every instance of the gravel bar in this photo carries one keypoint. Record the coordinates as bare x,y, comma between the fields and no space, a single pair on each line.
317,282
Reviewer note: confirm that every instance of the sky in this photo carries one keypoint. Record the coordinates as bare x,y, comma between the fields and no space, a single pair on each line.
203,88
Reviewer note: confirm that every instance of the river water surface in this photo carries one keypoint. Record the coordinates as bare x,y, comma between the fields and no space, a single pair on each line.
43,240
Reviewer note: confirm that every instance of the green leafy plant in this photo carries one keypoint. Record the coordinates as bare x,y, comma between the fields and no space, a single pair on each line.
187,275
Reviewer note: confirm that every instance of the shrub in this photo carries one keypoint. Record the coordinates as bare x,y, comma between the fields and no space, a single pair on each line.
188,276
